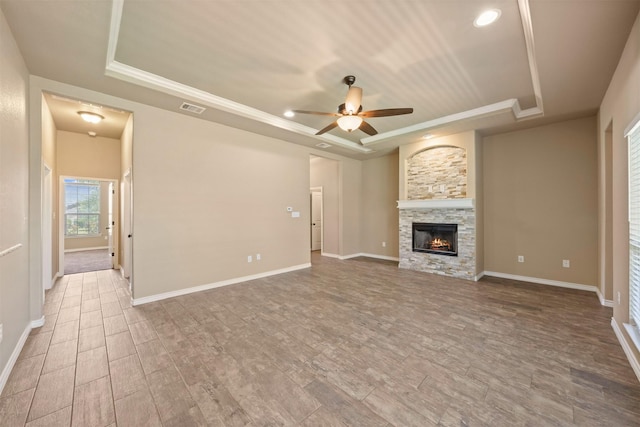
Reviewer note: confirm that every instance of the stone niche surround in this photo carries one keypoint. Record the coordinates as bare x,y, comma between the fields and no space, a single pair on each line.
437,189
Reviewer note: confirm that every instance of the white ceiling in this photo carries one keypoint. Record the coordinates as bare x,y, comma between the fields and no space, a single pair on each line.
249,61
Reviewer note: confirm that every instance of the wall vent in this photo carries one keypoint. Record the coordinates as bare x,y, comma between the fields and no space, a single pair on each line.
192,108
323,145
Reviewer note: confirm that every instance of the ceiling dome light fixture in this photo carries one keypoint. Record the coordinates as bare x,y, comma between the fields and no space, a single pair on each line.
487,17
289,113
349,123
90,117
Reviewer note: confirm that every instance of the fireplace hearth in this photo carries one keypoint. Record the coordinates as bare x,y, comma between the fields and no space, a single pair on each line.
435,238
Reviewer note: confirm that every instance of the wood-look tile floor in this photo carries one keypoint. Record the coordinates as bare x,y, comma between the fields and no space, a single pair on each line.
354,342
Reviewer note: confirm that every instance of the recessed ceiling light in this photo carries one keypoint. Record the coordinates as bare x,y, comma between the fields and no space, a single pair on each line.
289,113
92,134
428,136
323,145
487,17
90,117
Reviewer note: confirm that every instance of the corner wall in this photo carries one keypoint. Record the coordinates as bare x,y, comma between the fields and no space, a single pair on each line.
620,105
15,290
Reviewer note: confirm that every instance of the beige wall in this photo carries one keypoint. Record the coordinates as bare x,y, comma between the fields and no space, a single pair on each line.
83,156
49,148
350,206
541,202
620,105
324,173
379,206
14,197
207,196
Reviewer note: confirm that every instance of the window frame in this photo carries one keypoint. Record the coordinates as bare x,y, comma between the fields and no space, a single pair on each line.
97,215
632,134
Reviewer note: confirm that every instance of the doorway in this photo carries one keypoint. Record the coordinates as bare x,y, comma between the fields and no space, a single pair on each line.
316,219
87,225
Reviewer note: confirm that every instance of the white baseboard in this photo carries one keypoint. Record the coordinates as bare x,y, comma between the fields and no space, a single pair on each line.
14,355
605,302
633,361
37,323
330,255
86,249
539,281
179,292
383,257
479,276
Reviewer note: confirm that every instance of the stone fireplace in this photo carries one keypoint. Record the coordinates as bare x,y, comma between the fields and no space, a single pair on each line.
438,215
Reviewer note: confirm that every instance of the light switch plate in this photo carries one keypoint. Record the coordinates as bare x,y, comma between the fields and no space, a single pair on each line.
295,214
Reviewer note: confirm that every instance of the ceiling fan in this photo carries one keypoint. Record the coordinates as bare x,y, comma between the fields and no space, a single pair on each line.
350,114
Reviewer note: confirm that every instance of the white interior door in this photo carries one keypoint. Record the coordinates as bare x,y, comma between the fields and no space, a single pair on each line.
47,229
316,220
126,219
111,223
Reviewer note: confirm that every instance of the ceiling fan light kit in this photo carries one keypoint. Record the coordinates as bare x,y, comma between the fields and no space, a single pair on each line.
349,123
350,115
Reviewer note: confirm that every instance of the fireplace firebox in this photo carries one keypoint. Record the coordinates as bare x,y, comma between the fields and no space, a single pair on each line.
441,239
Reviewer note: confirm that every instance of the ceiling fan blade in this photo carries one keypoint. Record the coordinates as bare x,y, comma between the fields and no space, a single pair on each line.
367,128
327,128
386,112
354,99
317,113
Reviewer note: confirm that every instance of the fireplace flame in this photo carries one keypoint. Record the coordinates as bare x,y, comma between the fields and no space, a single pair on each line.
440,244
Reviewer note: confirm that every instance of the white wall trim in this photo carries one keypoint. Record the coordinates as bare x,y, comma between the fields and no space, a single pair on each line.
180,292
330,255
478,276
383,257
343,257
37,323
14,356
633,361
605,302
11,249
94,248
540,281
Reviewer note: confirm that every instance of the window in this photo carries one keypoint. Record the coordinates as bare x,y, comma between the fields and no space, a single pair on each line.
82,208
633,136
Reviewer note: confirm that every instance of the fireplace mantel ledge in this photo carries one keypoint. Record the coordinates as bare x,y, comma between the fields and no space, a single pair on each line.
437,204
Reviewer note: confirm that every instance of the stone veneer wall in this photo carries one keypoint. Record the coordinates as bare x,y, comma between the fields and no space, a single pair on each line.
429,170
462,266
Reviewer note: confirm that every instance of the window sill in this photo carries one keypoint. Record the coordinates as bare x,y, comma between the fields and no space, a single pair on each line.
83,236
634,333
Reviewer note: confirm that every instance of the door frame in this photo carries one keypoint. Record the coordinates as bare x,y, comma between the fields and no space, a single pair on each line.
127,228
61,208
47,227
311,191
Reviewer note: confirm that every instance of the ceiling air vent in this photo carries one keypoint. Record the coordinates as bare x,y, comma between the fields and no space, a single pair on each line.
323,145
196,109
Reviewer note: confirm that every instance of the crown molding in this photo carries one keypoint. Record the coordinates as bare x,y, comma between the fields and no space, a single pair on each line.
149,80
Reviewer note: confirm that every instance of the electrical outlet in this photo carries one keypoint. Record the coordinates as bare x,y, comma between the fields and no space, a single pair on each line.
520,258
384,244
257,257
249,258
566,263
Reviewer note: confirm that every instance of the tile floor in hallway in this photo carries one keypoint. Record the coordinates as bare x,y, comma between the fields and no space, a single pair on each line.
355,342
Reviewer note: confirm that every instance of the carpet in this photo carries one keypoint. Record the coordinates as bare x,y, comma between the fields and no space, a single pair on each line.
83,261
